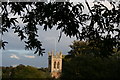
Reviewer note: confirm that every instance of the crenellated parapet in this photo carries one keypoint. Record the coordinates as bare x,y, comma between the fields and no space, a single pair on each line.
57,55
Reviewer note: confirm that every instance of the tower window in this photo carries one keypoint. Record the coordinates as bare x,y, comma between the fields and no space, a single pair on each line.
54,64
58,65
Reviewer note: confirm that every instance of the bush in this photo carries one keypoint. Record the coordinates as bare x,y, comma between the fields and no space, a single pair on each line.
90,68
22,71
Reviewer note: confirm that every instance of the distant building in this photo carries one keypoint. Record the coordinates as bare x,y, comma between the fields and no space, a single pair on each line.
55,64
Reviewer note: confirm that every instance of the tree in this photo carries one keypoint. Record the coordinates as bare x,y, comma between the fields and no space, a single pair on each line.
24,72
40,13
68,17
82,48
82,63
87,67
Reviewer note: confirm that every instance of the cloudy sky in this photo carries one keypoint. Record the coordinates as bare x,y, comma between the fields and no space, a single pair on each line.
14,54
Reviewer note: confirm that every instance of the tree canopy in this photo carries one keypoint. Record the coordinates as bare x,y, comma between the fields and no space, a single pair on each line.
79,48
24,72
85,67
99,26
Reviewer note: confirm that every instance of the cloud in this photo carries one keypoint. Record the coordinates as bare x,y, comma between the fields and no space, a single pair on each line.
14,56
15,65
29,56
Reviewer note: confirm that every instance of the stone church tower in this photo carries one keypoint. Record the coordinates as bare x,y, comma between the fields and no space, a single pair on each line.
55,64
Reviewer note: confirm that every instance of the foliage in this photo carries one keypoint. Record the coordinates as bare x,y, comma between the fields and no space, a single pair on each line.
85,67
80,48
82,63
85,48
103,21
99,26
43,14
24,72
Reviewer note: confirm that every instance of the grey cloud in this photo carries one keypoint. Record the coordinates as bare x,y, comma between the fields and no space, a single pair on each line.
15,46
13,41
38,61
14,56
48,40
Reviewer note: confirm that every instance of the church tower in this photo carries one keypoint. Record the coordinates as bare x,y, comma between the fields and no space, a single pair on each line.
55,64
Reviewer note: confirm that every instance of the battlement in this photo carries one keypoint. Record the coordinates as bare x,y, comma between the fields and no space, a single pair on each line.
57,55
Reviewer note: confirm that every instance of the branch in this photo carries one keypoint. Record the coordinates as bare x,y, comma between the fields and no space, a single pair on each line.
88,6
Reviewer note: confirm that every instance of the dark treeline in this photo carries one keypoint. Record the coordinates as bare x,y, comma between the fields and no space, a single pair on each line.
24,72
82,63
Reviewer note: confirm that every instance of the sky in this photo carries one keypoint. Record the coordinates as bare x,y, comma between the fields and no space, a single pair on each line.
15,54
